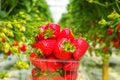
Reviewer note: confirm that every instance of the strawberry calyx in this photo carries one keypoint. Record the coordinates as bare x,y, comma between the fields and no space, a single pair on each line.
48,33
38,72
68,47
61,71
38,52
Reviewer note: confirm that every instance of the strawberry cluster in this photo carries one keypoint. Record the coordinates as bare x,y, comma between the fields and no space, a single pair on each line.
56,53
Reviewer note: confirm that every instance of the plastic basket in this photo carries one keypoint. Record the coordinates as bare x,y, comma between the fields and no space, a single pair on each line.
55,69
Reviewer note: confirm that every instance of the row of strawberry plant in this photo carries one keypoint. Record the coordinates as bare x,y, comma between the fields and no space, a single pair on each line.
98,21
19,20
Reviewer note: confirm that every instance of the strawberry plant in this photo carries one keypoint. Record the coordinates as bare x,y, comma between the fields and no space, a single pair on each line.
19,21
98,21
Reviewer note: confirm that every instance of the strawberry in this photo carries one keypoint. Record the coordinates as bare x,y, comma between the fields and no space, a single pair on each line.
3,39
15,43
23,48
70,76
116,44
71,65
38,62
81,47
53,64
8,53
45,46
36,75
41,33
64,49
109,31
66,33
105,48
52,30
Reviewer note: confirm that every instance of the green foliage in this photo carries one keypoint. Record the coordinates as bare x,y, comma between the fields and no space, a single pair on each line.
91,19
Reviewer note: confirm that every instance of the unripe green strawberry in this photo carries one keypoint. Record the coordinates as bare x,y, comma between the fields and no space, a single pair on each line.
9,25
22,28
10,33
6,47
22,64
4,30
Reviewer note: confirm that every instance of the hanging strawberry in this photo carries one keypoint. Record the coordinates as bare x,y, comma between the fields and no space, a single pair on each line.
109,31
23,48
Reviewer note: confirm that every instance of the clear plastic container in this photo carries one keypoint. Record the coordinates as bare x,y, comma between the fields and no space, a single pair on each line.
55,69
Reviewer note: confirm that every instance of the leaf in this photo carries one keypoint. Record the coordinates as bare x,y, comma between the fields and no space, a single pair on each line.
2,14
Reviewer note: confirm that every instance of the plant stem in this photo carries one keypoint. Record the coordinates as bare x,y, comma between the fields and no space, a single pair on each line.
105,67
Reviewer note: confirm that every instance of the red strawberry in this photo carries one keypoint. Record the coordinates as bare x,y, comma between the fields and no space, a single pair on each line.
70,76
8,53
38,62
36,75
46,46
23,48
64,49
53,64
52,30
109,31
41,34
116,44
15,43
3,39
66,33
118,27
71,65
81,48
105,48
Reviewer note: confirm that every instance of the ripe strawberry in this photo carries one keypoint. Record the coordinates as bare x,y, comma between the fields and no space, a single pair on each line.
38,62
52,30
46,46
71,65
8,53
70,76
36,75
3,39
81,47
105,48
116,44
15,43
23,48
41,33
116,38
53,64
109,31
66,33
64,49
